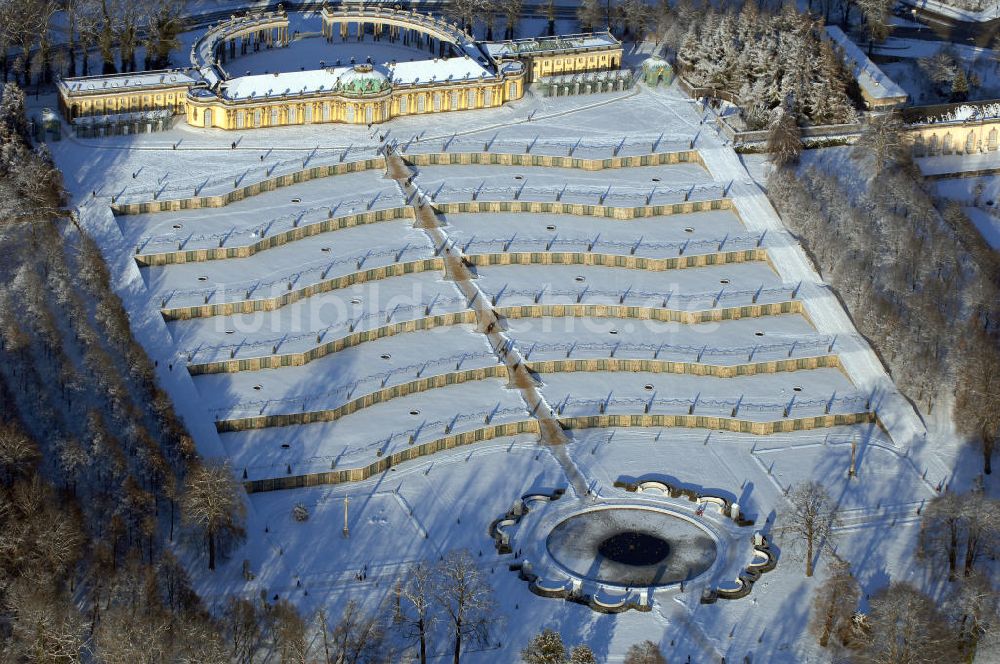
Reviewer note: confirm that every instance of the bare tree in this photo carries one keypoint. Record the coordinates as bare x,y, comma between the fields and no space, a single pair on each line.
883,140
636,15
242,623
165,24
466,599
27,26
810,521
590,14
122,639
981,519
876,15
835,603
512,13
977,393
953,522
546,648
358,637
288,633
18,453
784,138
465,12
197,641
645,652
45,630
415,606
973,606
904,625
213,502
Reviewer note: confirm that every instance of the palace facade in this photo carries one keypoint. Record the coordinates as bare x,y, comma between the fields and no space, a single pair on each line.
459,73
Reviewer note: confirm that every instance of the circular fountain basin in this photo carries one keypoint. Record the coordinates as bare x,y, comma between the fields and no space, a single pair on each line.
631,546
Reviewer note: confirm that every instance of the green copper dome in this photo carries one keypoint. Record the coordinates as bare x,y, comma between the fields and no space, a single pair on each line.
363,80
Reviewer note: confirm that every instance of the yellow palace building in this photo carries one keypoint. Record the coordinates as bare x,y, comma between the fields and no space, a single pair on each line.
459,73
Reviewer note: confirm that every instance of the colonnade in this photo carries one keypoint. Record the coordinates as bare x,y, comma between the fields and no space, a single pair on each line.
355,30
232,47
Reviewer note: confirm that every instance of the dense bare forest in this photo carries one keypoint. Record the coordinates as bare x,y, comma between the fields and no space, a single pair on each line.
919,282
34,46
94,460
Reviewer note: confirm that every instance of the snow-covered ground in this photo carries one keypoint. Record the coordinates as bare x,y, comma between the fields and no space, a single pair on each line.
447,500
980,200
978,196
986,10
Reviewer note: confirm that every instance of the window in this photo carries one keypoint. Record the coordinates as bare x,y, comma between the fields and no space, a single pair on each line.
326,111
489,97
309,113
208,117
275,116
350,113
421,103
471,102
437,101
256,118
292,115
403,105
512,90
240,119
454,100
369,113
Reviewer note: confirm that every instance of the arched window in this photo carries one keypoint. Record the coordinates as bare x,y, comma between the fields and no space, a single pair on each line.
947,143
292,115
403,105
934,144
350,113
275,116
970,143
309,113
454,100
241,119
991,141
437,101
421,103
471,101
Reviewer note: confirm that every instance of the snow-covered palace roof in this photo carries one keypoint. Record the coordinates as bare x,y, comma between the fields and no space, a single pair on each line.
132,81
552,45
878,89
331,79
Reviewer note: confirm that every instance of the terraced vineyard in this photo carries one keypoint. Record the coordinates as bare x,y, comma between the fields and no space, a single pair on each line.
437,326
